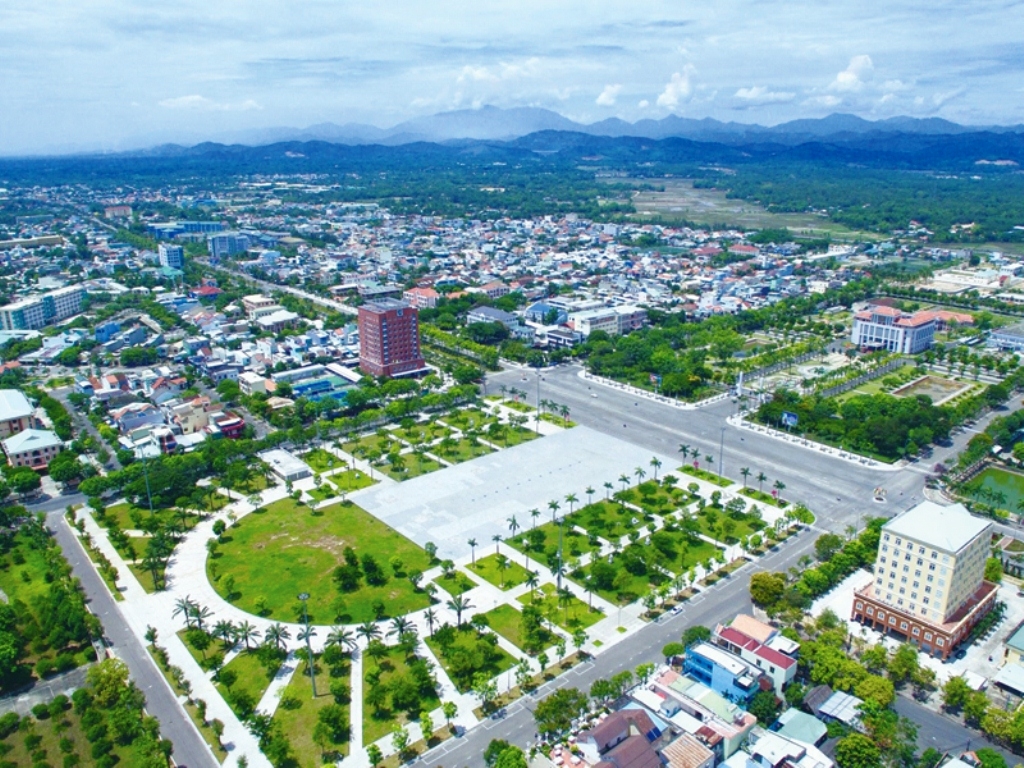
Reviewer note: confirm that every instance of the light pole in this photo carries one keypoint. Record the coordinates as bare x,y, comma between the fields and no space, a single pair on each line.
559,585
721,445
537,421
304,597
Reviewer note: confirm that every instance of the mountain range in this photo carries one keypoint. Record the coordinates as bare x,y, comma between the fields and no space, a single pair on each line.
495,124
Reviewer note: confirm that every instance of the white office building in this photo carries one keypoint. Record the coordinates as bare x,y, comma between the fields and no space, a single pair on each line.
888,328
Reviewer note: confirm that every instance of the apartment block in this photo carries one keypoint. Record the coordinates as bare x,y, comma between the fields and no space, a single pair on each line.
38,312
389,339
929,583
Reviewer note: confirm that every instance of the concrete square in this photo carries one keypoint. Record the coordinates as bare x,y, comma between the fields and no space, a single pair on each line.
475,499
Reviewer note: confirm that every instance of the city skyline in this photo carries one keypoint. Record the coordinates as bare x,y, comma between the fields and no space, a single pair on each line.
118,75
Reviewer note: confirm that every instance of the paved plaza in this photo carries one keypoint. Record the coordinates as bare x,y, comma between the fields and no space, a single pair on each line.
476,498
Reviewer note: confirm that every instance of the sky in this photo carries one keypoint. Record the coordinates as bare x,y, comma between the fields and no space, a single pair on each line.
115,74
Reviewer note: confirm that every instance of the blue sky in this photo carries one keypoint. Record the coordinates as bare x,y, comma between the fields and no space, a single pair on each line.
113,74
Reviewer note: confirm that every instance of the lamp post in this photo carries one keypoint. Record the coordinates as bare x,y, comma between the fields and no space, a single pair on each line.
537,420
721,445
304,597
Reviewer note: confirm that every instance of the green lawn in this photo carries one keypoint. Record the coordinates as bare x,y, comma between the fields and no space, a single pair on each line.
709,477
460,450
145,576
128,517
764,497
508,622
543,541
468,418
517,406
252,679
607,519
321,460
512,436
654,498
365,445
742,525
284,549
487,568
297,712
202,658
470,640
413,466
394,666
571,615
351,480
455,585
680,550
629,586
557,420
424,432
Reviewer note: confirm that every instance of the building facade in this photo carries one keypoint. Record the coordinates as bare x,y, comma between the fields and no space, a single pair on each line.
389,339
38,312
171,256
929,583
880,327
33,448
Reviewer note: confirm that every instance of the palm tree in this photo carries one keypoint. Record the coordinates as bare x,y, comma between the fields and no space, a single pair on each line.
745,472
183,607
608,488
496,538
590,495
571,499
247,633
401,627
472,549
459,603
656,464
779,486
534,513
430,616
200,614
532,580
624,479
710,460
640,475
306,634
277,634
340,637
225,631
513,525
368,631
502,563
761,477
563,411
554,506
685,450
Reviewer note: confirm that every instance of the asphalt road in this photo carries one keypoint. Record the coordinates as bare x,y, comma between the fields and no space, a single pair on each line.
189,748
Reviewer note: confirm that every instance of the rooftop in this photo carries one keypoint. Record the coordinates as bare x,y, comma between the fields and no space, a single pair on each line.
13,405
949,529
31,440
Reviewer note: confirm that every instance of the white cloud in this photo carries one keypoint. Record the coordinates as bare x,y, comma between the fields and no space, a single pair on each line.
758,94
825,101
644,104
852,78
608,96
197,103
678,88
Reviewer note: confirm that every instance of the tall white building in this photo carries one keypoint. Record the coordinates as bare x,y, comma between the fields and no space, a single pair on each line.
172,256
38,312
879,327
929,582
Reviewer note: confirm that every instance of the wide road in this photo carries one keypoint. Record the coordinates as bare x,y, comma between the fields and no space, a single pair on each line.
189,748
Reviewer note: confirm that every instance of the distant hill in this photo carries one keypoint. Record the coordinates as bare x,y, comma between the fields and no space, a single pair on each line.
495,124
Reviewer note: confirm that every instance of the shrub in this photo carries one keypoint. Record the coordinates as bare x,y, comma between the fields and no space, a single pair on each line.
101,748
9,724
44,667
41,711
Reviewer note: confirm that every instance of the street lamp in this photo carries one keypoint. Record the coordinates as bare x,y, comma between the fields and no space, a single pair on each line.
721,445
304,597
537,420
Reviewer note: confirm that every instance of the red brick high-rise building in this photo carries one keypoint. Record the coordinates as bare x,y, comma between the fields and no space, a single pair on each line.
389,338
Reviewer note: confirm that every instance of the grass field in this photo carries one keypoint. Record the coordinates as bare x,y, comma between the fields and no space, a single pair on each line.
570,615
297,712
487,568
413,466
468,418
284,549
508,622
460,450
456,585
393,666
607,519
742,525
321,460
654,498
424,432
251,679
351,480
468,638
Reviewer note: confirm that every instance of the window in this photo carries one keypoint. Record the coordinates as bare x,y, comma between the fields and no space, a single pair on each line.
940,642
903,625
917,631
892,621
